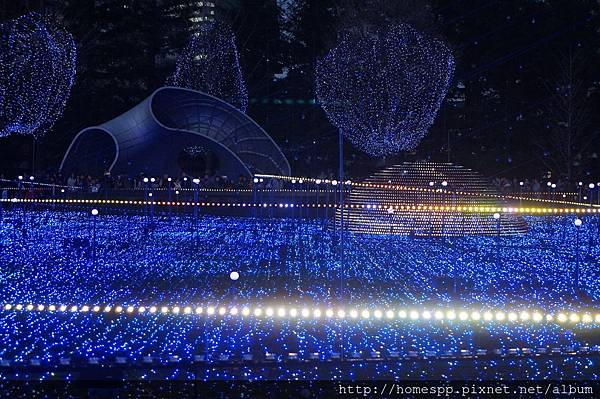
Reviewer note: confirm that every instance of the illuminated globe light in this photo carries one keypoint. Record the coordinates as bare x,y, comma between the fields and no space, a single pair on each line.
365,314
176,309
233,311
378,314
19,307
210,63
439,315
488,316
500,316
94,212
445,183
561,317
223,310
257,312
496,216
525,316
389,314
353,313
577,222
245,311
450,315
37,72
591,185
269,312
141,309
293,312
305,313
317,313
153,309
281,312
130,309
414,315
476,316
234,276
329,313
463,316
187,310
586,318
383,88
29,307
119,309
8,306
210,310
52,308
597,318
537,316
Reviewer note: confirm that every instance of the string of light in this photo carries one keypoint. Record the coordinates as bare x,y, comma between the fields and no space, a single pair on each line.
320,312
390,208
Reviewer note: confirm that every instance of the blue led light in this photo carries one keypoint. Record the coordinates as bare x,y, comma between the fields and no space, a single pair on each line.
37,70
384,88
210,63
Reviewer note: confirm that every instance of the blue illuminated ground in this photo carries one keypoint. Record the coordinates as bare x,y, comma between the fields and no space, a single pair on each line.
47,258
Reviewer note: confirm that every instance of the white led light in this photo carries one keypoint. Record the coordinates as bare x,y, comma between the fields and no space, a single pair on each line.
305,312
40,307
281,312
586,318
402,314
233,311
222,310
365,314
475,316
73,308
29,307
52,308
129,309
500,316
574,318
118,309
257,312
293,312
450,315
597,318
199,310
96,309
414,314
389,314
19,306
176,309
187,310
426,315
141,309
537,316
341,314
269,312
210,310
329,313
463,315
377,313
439,315
512,316
353,313
488,316
317,313
152,309
8,306
562,317
549,317
245,311
164,309
525,315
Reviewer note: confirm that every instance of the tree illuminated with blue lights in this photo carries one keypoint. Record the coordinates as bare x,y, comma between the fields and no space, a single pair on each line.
384,88
37,71
210,63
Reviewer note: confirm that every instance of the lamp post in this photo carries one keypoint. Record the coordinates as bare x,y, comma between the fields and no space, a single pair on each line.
94,217
577,222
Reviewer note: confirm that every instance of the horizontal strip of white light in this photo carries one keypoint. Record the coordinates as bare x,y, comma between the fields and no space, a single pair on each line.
311,312
390,208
